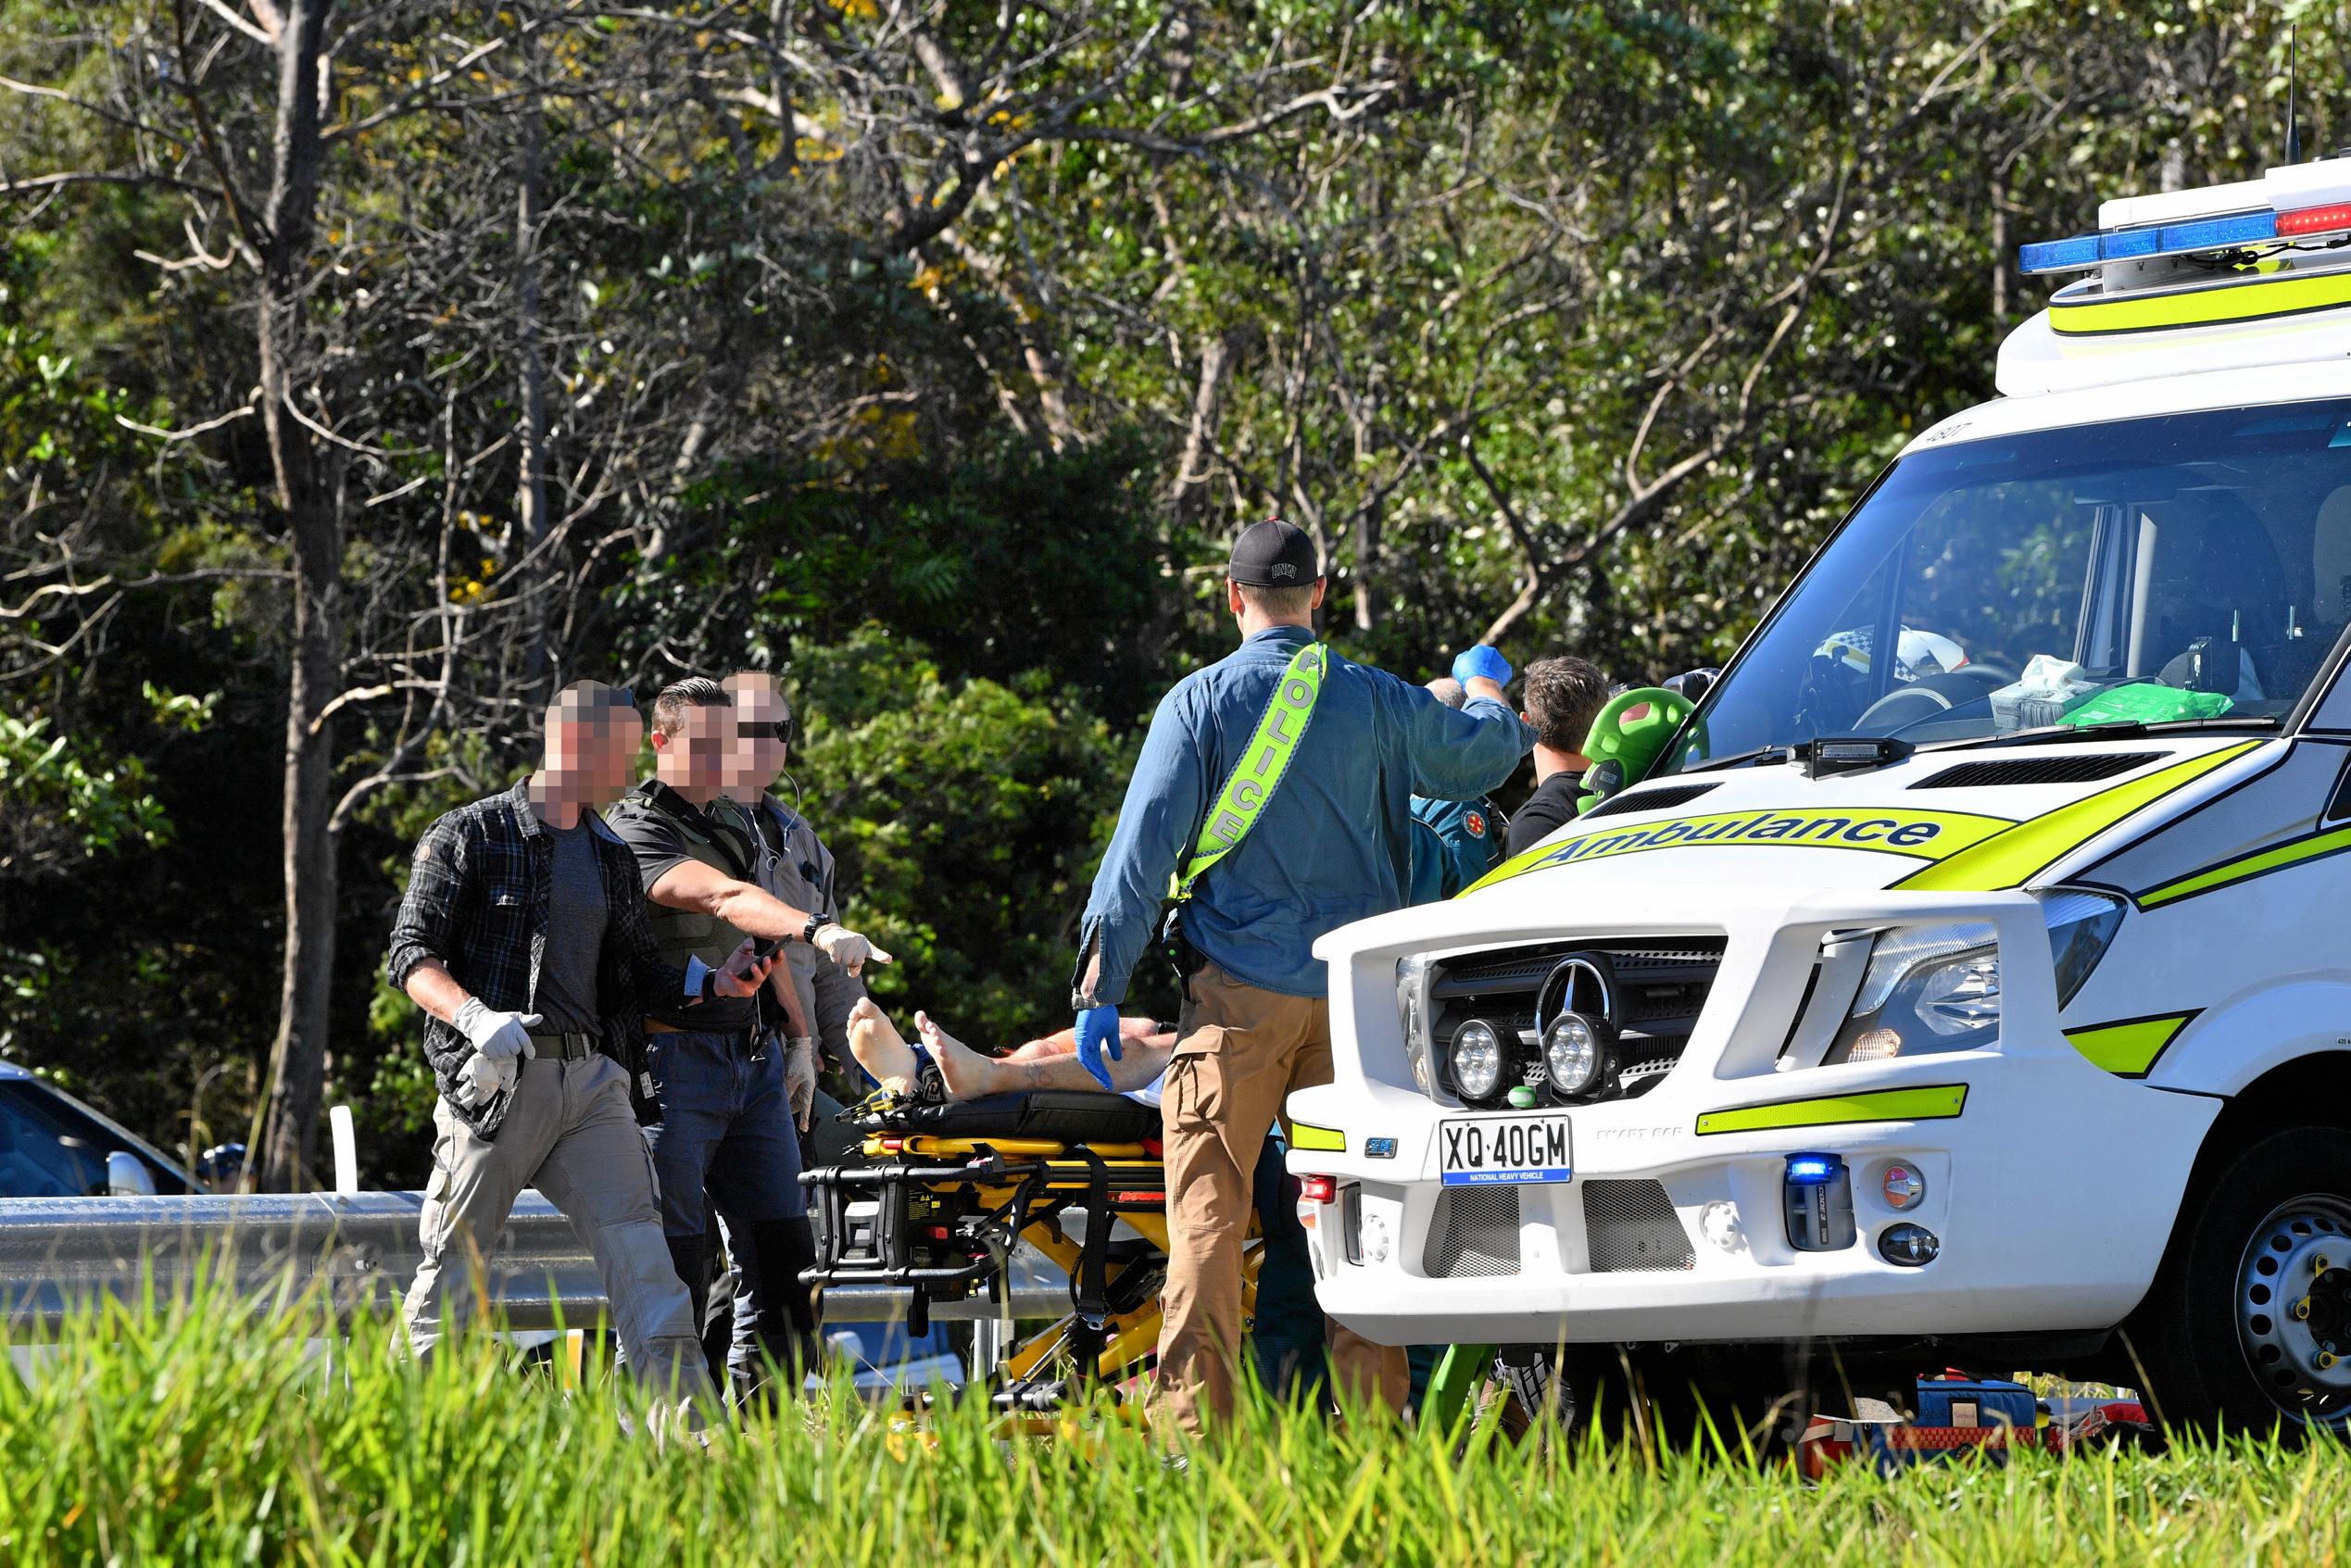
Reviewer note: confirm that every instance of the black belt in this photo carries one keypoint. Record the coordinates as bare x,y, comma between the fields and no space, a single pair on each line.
573,1045
745,1039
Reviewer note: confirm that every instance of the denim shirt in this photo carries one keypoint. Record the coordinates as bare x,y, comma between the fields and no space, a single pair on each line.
1333,844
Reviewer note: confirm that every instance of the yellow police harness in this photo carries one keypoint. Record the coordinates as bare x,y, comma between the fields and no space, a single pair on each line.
1261,769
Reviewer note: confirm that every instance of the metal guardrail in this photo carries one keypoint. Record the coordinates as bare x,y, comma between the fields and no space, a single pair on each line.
357,1252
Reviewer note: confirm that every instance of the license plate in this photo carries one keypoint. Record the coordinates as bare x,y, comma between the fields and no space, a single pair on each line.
1495,1150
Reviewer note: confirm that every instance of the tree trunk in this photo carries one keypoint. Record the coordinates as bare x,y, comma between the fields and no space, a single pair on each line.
298,1059
1999,252
531,370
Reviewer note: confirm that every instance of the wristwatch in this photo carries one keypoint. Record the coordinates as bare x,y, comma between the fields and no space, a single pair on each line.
808,932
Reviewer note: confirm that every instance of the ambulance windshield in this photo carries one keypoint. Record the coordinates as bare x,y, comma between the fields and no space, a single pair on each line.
2192,567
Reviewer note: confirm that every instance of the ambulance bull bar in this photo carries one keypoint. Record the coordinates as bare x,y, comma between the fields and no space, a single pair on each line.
355,1253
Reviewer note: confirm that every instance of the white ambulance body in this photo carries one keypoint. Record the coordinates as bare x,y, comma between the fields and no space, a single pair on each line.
1994,996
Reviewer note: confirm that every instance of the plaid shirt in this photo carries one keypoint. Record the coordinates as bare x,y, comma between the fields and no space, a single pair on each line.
479,890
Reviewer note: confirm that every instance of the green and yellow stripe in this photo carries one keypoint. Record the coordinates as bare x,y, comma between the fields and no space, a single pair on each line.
1939,1103
2222,873
2014,858
2128,1048
2092,314
1306,1136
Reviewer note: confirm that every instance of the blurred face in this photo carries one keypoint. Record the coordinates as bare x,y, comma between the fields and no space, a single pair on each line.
593,749
762,727
694,760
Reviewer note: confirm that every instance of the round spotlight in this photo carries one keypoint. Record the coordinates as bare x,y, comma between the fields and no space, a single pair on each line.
1477,1060
1573,1055
1903,1186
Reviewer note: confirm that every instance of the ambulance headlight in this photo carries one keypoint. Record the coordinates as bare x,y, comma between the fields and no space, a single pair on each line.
1412,1012
1927,989
1477,1059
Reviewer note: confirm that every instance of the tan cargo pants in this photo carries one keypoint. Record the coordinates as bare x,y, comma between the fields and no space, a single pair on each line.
570,1132
1240,1053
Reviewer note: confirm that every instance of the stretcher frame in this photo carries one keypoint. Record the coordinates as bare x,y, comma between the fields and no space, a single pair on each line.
997,1192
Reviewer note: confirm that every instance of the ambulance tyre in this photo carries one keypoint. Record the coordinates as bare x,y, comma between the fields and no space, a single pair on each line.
2249,1325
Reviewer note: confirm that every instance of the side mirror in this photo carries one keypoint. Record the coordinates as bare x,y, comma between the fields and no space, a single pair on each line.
128,1176
222,1167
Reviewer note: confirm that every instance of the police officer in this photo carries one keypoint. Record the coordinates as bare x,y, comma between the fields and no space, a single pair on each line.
1272,794
800,870
1454,843
811,999
722,1116
521,935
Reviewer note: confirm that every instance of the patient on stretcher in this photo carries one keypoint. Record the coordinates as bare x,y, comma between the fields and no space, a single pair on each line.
963,1074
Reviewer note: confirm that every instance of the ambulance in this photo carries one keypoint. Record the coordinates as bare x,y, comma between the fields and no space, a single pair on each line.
1968,980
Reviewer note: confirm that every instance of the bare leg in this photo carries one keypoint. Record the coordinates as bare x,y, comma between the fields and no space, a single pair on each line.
880,1048
1065,1043
974,1075
965,1072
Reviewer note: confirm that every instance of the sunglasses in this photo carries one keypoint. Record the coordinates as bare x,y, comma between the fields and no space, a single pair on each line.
765,729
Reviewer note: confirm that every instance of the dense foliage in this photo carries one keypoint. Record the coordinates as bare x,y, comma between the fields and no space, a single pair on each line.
929,353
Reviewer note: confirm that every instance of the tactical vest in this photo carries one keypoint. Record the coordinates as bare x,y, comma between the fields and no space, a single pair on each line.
681,934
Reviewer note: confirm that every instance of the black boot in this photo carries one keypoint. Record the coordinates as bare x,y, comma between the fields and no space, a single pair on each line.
780,1249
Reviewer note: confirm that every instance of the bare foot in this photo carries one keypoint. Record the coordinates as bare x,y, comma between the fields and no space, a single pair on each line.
880,1048
967,1073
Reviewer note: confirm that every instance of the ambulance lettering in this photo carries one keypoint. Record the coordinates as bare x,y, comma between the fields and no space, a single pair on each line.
1928,836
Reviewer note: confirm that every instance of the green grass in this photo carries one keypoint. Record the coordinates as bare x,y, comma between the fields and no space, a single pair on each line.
207,1435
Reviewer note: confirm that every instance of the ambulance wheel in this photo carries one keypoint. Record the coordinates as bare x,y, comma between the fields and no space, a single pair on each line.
2248,1326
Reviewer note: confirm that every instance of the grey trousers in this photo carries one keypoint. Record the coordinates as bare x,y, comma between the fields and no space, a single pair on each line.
570,1132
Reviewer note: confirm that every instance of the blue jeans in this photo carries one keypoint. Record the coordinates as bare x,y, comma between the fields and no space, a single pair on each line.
1287,1337
725,1140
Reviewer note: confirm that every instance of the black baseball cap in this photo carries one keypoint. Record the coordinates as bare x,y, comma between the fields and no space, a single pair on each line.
1274,554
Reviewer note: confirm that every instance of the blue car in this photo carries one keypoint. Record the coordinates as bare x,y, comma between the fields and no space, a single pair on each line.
53,1145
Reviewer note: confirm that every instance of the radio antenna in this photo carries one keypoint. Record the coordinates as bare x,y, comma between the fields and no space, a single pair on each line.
2293,64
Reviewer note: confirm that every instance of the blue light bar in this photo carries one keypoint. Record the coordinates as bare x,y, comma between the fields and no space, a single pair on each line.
2211,233
1814,1170
2149,239
2059,256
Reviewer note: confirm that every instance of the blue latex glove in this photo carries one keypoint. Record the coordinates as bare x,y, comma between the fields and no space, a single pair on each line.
1097,1033
1481,659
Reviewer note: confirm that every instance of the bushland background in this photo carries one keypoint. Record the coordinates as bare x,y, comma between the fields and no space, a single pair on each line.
370,370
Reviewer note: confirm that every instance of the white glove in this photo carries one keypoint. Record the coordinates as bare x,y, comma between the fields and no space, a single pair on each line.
846,948
799,1079
483,1077
501,1037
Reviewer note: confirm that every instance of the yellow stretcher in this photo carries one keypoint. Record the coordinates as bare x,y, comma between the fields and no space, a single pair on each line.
946,1191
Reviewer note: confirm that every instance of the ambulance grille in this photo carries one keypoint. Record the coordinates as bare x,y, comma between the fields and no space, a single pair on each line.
1630,1227
2039,771
1648,799
1659,983
1473,1234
